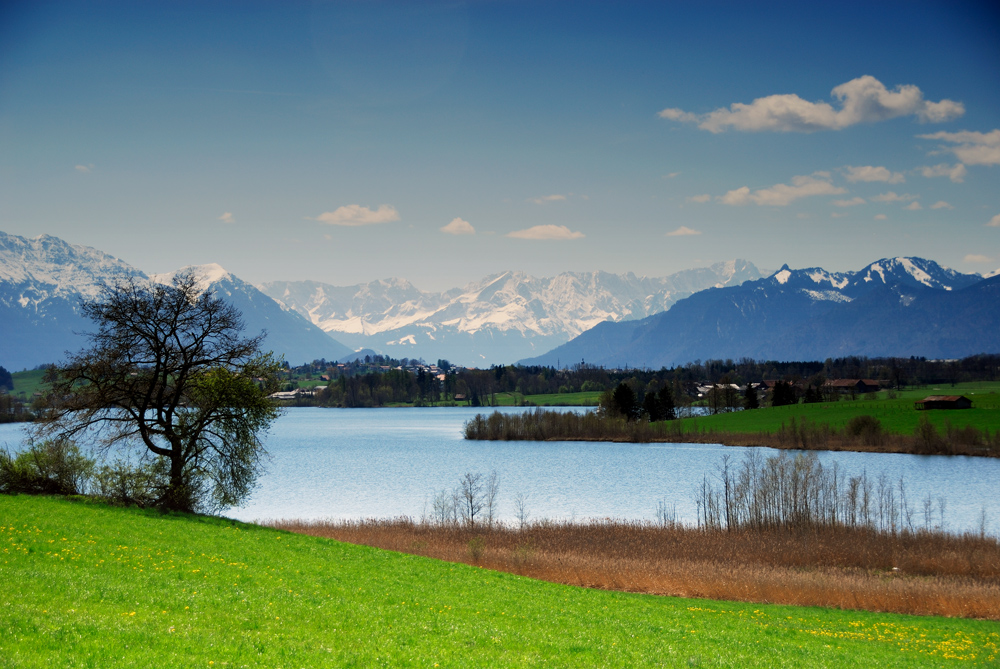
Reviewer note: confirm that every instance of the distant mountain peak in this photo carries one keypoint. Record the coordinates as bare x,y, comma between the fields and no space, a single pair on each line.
205,275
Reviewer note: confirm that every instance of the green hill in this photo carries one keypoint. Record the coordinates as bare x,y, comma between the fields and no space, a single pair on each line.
94,586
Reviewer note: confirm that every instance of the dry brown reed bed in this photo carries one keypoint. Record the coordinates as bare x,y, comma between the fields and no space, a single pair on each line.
924,573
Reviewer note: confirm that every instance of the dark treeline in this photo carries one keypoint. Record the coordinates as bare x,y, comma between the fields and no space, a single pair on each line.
378,380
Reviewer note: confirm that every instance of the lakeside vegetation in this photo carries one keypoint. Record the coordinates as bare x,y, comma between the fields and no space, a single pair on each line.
884,422
125,587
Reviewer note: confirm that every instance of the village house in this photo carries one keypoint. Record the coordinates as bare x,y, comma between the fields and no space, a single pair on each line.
859,386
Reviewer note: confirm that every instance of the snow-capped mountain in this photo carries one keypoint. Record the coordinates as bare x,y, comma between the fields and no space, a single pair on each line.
43,280
846,286
895,306
499,319
288,333
41,283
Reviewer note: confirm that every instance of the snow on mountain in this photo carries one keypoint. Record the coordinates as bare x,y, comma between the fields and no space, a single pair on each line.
43,280
495,320
914,271
53,268
288,333
894,306
821,285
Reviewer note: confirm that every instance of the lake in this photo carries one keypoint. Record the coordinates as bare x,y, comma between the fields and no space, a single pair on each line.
357,463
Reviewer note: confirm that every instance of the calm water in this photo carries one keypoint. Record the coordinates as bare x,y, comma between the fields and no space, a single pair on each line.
354,463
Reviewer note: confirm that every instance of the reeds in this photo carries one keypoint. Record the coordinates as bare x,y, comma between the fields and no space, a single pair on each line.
915,572
862,434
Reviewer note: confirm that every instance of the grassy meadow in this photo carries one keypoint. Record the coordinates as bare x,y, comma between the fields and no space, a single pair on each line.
897,416
86,585
29,382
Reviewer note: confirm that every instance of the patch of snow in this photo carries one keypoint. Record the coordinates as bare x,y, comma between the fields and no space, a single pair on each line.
877,269
205,275
826,295
782,276
917,273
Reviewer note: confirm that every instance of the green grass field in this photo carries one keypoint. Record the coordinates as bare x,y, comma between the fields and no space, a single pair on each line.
897,415
29,382
85,585
549,400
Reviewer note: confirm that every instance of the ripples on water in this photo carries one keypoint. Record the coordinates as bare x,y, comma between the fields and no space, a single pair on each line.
357,463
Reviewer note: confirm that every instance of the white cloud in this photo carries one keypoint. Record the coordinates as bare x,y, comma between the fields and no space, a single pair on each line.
861,100
546,232
736,197
913,206
355,215
954,172
941,204
673,174
838,214
972,148
227,217
892,196
872,173
683,231
547,198
781,195
994,222
459,227
85,169
700,199
880,217
977,257
853,202
674,114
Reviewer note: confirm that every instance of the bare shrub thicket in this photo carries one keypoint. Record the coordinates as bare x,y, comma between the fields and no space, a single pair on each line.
863,433
472,503
799,492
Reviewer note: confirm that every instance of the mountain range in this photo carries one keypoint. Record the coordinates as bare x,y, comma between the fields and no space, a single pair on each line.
499,319
897,306
43,280
892,307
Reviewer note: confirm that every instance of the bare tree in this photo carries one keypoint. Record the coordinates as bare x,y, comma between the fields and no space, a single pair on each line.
169,373
521,510
470,497
490,494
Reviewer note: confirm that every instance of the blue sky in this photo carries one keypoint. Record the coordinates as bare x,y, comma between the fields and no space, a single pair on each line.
346,142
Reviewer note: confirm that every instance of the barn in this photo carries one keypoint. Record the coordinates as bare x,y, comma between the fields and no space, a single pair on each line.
944,402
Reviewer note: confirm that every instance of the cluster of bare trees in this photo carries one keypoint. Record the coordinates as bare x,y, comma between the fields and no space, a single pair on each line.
798,492
473,502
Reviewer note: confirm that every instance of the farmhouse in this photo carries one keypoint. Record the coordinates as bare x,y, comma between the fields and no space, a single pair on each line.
859,386
944,402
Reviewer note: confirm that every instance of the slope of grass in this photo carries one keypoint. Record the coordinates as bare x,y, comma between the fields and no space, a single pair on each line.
898,416
92,586
29,382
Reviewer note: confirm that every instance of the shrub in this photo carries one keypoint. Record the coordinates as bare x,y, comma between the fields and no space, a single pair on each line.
867,429
53,467
926,437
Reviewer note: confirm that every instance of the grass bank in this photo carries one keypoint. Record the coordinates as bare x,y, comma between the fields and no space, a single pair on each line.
90,585
926,573
897,427
897,415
